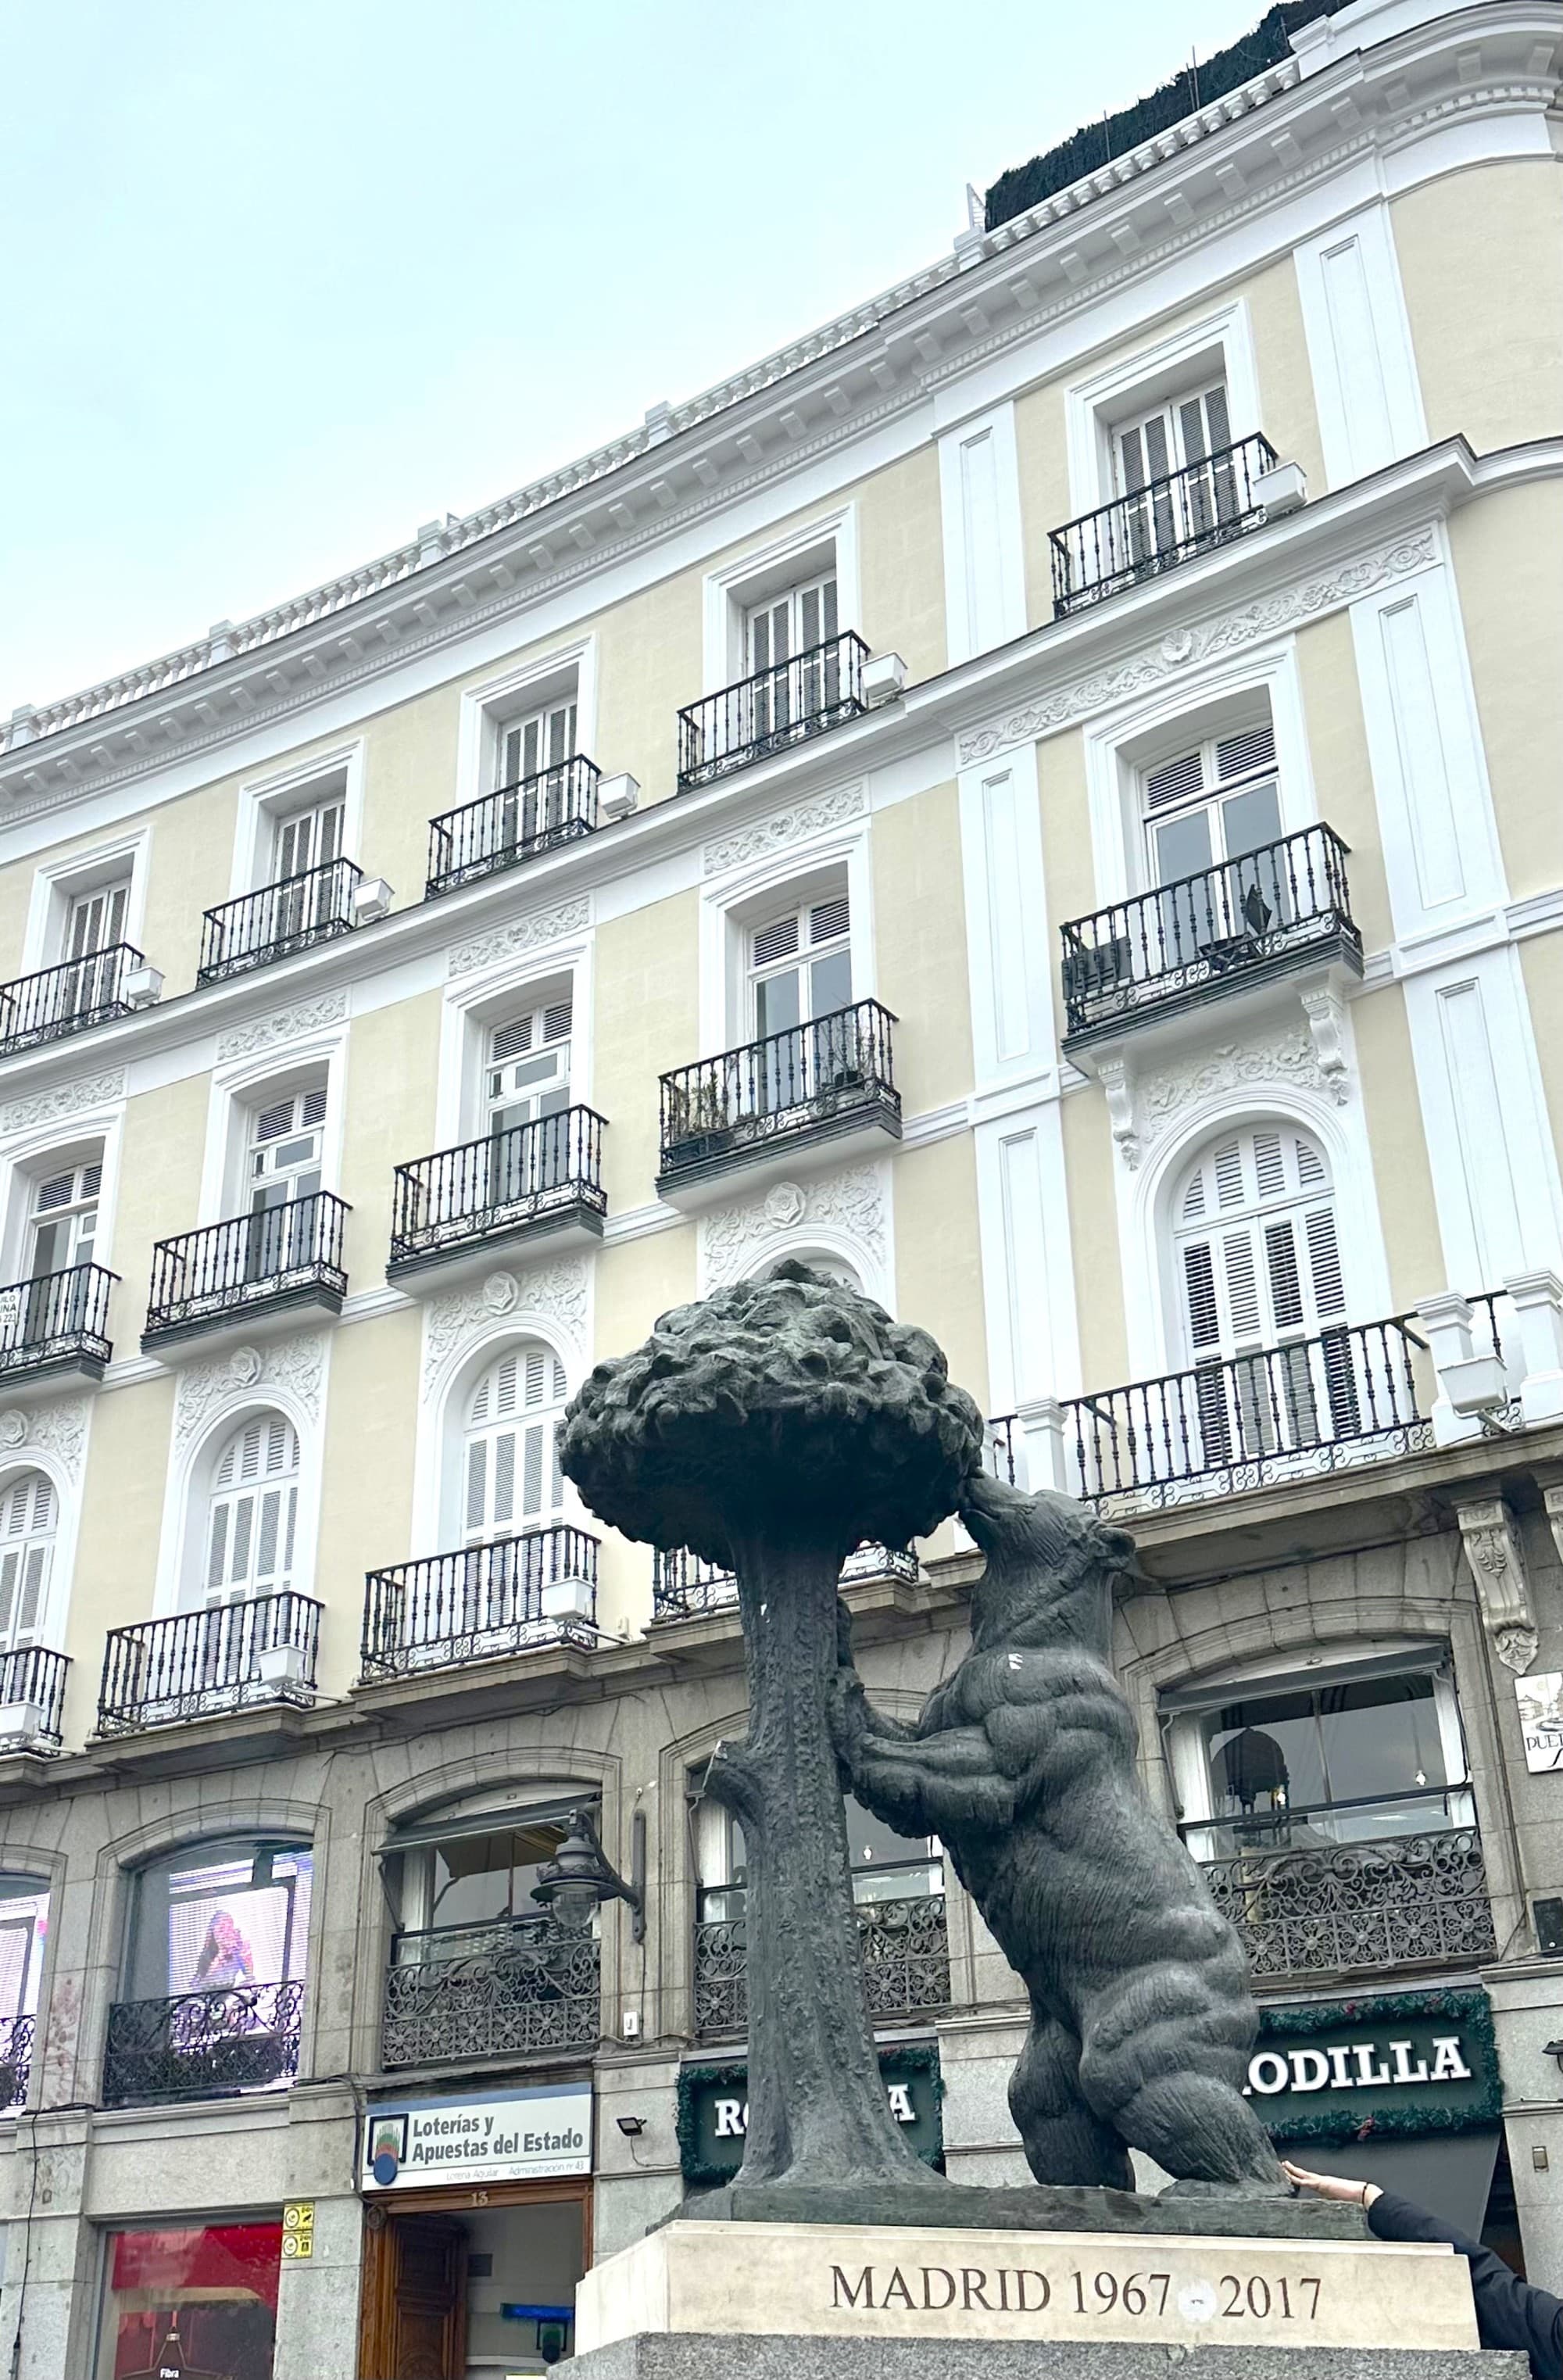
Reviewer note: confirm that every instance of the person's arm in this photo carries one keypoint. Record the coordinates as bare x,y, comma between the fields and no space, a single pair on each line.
1509,2311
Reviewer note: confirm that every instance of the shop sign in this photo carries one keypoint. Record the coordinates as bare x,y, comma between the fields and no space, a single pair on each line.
713,2110
495,2136
1402,2062
1540,1698
298,2229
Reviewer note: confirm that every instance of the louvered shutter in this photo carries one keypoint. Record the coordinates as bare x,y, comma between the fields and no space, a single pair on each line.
27,1543
254,1511
513,1480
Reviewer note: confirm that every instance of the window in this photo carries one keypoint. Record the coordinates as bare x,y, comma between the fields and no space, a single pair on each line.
63,1223
790,639
885,1865
95,920
309,837
1174,438
29,1522
193,2298
452,1896
800,965
252,1514
24,1930
218,1916
512,1479
529,1068
1260,1281
530,746
283,1175
1219,801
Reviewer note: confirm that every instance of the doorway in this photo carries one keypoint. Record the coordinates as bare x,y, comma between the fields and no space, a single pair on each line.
473,2284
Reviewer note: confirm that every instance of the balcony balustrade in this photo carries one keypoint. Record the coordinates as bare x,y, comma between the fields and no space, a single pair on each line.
778,707
68,999
460,1993
196,1664
515,823
1155,527
685,1587
535,1178
16,2037
292,915
904,1943
56,1323
202,2045
505,1597
1408,1900
32,1685
267,1262
1281,906
820,1081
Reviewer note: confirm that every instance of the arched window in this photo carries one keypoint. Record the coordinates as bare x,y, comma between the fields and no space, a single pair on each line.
510,1475
29,1517
1259,1281
253,1510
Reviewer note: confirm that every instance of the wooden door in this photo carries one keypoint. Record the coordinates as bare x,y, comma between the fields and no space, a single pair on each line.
423,2332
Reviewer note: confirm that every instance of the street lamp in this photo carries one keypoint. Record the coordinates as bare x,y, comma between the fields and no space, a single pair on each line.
575,1882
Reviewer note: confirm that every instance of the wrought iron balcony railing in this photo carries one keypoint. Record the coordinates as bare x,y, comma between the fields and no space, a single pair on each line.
1003,1431
283,1255
503,1598
292,915
16,2038
904,1943
503,828
66,998
683,1586
60,1318
1409,1900
1275,908
200,1663
32,1685
202,2045
1155,527
1313,1405
818,1079
534,1175
816,690
460,1993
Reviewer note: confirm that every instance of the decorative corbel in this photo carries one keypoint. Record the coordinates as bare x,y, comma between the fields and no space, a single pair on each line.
1117,1080
1493,1555
1326,1018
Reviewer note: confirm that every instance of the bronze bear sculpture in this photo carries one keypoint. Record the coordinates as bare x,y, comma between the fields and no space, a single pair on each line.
1023,1762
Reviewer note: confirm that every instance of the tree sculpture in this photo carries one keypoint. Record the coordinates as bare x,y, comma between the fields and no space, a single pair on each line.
770,1428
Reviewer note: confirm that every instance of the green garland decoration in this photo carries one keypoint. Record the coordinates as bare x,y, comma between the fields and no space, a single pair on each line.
1087,151
895,2064
1472,2010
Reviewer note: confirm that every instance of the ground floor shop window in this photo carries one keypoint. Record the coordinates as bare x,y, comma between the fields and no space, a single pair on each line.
196,2301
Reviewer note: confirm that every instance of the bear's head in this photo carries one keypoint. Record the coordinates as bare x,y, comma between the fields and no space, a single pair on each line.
1041,1550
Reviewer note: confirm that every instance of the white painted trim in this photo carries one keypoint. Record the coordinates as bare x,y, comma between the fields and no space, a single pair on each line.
70,1492
56,883
1010,950
725,595
1027,1264
264,800
439,1428
727,899
984,553
484,706
182,1534
236,1088
25,1159
1109,394
1365,387
474,1002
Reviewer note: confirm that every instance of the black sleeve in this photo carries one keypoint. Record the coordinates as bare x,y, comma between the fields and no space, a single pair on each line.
1509,2312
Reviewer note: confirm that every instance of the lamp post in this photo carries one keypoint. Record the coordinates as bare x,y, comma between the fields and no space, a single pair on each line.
575,1882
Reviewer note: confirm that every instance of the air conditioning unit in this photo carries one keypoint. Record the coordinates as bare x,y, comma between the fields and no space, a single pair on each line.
567,1599
143,987
371,899
21,1726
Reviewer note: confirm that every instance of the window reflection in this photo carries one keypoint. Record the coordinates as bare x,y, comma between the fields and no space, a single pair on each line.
1330,1764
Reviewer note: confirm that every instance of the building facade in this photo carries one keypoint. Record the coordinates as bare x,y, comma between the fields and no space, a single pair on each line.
1041,798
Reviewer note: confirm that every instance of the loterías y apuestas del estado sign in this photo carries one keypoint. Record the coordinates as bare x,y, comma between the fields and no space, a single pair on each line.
1401,2062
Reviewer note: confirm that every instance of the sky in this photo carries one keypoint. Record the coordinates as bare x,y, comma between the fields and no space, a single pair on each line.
285,279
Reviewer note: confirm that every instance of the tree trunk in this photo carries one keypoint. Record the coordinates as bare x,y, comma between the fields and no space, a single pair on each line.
817,2111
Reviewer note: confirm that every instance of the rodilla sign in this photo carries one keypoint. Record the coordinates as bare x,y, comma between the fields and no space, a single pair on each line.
1404,2062
502,2136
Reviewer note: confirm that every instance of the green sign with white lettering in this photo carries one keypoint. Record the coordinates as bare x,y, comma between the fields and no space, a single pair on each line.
1398,2064
713,2110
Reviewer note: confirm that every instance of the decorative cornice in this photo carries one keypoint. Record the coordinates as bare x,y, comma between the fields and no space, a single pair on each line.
66,1100
58,1429
784,828
850,1206
204,1390
555,1294
1498,1569
287,1025
1205,640
520,934
1143,1106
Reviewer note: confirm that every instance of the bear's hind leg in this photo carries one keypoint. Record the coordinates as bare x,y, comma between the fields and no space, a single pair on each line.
1064,2142
1163,2058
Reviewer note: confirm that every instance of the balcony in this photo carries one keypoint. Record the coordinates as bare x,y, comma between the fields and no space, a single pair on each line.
90,990
1138,536
686,1587
32,1685
904,1943
202,2045
830,1081
515,823
292,915
542,1180
199,1664
1408,1900
462,1993
55,1327
252,1267
778,707
477,1605
1204,937
17,2035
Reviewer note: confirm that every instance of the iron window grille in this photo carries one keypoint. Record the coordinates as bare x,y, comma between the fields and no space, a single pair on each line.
61,1318
507,1596
260,1649
277,1256
214,2044
826,1076
533,1173
513,823
1136,536
292,915
66,998
776,708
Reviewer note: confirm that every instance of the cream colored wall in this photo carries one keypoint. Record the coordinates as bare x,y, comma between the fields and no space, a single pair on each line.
1089,1159
938,1256
1402,1177
1342,774
1046,499
636,1281
920,948
392,1064
1480,258
1541,964
367,1473
410,777
900,563
646,1003
1068,868
117,1545
1287,415
1508,567
162,1146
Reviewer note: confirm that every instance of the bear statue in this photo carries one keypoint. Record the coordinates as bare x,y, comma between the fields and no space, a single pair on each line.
1023,1762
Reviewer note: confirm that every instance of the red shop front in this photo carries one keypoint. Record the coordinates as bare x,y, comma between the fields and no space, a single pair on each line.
192,2302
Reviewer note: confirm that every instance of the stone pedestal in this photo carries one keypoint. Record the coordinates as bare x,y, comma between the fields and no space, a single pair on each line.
694,2355
859,2289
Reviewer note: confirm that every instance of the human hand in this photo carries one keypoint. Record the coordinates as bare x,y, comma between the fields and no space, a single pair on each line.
1332,2185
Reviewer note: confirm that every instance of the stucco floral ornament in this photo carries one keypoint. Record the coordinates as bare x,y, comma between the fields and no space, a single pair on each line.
770,1428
